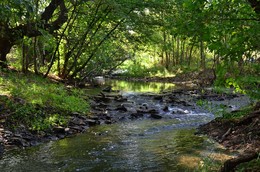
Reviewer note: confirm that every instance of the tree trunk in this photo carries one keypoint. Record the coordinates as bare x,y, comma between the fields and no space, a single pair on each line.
9,36
177,51
35,55
202,56
182,52
173,52
231,164
5,47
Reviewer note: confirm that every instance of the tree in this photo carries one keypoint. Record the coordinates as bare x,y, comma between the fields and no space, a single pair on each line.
21,25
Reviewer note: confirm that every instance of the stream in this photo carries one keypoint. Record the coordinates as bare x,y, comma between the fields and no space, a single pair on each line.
143,144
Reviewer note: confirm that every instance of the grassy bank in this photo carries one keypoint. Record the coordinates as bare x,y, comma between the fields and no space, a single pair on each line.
36,102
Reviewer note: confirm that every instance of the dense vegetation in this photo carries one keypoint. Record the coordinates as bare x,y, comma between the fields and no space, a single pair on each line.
38,103
79,39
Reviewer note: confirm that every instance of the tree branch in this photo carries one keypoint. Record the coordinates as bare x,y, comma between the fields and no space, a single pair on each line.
31,29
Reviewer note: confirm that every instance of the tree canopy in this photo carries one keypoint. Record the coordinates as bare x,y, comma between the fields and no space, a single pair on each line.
80,38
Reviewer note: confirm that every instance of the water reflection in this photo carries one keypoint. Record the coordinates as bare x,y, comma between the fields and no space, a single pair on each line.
154,87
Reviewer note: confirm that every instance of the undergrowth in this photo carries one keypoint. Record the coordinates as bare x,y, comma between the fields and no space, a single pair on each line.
238,114
245,82
38,102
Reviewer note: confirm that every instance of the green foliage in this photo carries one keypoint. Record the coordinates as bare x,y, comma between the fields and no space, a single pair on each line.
245,83
47,122
217,110
231,83
221,72
238,114
35,117
21,113
99,35
39,91
38,102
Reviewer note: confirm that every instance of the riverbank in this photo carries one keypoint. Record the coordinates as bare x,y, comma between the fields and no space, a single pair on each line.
194,79
106,108
239,135
36,110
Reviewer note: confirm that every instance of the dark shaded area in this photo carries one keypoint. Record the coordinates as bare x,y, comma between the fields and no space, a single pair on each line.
255,4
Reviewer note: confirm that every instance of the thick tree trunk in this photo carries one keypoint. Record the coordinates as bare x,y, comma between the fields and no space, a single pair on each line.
9,36
5,47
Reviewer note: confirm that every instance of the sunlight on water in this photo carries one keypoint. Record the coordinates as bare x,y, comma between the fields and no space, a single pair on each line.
136,145
130,146
141,87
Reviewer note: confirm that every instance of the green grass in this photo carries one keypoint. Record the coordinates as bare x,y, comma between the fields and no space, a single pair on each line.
238,114
38,102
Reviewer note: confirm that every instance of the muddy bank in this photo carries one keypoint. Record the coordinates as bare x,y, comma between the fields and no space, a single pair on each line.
240,135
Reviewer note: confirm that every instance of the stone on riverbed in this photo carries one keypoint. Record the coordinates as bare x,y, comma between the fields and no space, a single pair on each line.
166,109
156,116
59,129
92,122
19,142
77,121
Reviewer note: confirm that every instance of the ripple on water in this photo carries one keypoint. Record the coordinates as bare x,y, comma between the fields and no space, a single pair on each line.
141,145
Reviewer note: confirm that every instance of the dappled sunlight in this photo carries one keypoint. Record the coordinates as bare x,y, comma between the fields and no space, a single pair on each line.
219,156
189,161
40,91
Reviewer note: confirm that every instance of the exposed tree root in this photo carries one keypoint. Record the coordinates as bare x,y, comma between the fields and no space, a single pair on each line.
231,164
241,135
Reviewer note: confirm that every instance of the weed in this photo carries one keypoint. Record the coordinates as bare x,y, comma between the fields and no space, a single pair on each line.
208,164
38,103
238,114
217,110
47,122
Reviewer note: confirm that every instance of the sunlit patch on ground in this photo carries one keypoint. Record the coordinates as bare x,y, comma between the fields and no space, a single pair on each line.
219,156
189,161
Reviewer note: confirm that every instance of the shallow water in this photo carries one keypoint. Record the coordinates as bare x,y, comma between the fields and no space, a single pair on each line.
135,145
142,145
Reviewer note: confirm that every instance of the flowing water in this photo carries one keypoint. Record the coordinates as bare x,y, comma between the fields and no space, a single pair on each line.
134,145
